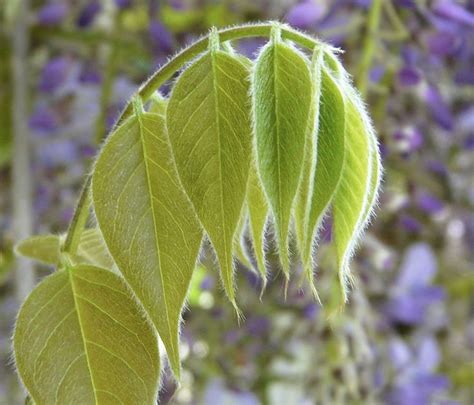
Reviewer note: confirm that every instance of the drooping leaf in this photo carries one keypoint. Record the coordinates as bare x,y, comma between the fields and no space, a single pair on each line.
147,221
351,201
239,241
258,212
81,338
310,161
282,97
209,125
46,249
330,157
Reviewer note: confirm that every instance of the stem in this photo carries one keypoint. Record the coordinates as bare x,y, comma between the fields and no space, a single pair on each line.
164,73
79,219
369,46
21,175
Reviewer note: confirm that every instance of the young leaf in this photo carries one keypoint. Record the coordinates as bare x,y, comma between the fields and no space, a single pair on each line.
258,211
208,120
310,159
147,221
351,199
239,236
158,105
81,338
330,157
92,250
282,97
42,248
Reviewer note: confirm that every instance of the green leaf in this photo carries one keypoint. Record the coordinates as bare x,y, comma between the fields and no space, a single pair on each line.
239,241
158,105
258,212
43,248
147,221
356,191
46,249
209,126
330,157
282,97
310,160
81,338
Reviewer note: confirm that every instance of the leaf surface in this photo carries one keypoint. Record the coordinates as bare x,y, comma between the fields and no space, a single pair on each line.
81,338
208,120
282,97
147,221
42,248
330,158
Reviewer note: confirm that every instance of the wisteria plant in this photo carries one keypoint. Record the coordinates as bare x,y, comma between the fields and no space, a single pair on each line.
240,148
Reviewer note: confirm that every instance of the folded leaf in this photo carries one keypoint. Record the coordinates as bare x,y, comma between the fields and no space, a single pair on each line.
92,250
43,248
158,105
81,338
208,120
258,212
147,222
282,97
351,202
330,157
239,241
310,161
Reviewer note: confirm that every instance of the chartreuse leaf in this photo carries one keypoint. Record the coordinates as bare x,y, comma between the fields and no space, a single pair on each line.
330,157
282,97
310,160
46,249
258,212
147,221
42,248
158,105
209,126
81,338
356,191
239,241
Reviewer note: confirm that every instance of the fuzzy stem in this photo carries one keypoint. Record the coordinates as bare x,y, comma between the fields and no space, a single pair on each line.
166,71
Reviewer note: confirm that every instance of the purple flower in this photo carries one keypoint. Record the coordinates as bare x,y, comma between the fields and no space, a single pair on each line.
409,76
464,76
453,11
408,139
469,142
54,74
406,309
427,354
440,112
305,14
418,267
160,37
123,3
207,283
376,73
437,167
88,14
399,353
250,46
43,120
89,74
310,311
406,3
410,224
443,43
428,203
60,152
52,13
258,325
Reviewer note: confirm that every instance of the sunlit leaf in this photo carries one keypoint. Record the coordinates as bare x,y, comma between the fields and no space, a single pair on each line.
282,97
43,248
147,221
330,157
208,120
81,338
158,105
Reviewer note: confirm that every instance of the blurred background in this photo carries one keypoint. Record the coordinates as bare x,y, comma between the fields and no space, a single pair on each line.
407,336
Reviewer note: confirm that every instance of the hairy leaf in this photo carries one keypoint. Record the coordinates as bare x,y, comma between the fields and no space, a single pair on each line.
46,249
147,221
282,97
310,160
330,157
81,338
239,241
258,211
208,120
158,105
351,199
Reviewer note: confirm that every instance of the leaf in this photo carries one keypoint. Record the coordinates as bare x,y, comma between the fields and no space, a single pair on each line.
310,158
158,105
81,338
330,157
43,248
147,221
258,211
351,202
209,126
282,97
239,241
46,249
